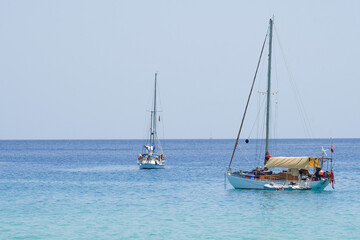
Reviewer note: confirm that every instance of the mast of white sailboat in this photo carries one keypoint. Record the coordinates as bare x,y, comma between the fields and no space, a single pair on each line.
153,134
268,92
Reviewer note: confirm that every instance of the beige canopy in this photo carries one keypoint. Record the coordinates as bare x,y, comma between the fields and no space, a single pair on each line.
293,162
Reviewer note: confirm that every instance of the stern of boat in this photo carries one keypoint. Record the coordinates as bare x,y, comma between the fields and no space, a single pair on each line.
150,163
319,185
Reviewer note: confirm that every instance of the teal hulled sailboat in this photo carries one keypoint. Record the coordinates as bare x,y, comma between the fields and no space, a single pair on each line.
296,175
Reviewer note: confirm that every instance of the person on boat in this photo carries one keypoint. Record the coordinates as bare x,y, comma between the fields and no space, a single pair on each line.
317,173
304,174
267,156
258,171
267,171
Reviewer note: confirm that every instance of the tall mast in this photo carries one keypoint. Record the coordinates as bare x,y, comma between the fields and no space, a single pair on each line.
268,91
154,115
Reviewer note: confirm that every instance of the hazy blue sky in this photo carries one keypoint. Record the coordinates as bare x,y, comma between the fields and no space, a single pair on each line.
85,69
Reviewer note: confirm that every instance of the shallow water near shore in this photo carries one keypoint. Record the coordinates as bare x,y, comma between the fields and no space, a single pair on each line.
93,189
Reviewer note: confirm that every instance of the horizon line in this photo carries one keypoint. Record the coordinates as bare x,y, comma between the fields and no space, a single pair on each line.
136,139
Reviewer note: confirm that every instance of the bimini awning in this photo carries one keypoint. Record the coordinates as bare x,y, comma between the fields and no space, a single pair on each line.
293,162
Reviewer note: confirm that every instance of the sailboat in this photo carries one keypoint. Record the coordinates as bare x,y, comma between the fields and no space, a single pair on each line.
152,156
295,175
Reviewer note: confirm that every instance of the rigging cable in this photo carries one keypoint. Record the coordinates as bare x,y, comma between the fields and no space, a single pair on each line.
301,109
257,121
276,101
261,125
161,122
247,104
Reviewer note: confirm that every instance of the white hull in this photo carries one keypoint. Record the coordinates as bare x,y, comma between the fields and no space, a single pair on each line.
151,164
251,183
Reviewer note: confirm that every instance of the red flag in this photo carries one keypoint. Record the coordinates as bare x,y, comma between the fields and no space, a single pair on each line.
332,148
159,118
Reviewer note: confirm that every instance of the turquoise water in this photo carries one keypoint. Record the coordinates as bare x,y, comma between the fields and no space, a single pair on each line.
94,190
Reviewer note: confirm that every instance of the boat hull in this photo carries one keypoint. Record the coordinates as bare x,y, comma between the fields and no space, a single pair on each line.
151,166
239,182
245,183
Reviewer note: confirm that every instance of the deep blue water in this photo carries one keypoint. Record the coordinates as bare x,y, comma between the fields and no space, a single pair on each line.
93,189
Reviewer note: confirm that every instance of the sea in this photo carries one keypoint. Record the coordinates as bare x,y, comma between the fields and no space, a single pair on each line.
93,189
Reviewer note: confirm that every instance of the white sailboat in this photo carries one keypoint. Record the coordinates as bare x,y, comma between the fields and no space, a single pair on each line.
152,157
296,175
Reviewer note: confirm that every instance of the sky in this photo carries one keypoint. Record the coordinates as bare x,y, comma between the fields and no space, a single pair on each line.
85,69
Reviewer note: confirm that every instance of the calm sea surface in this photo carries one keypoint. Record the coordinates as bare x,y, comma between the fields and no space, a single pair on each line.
94,190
